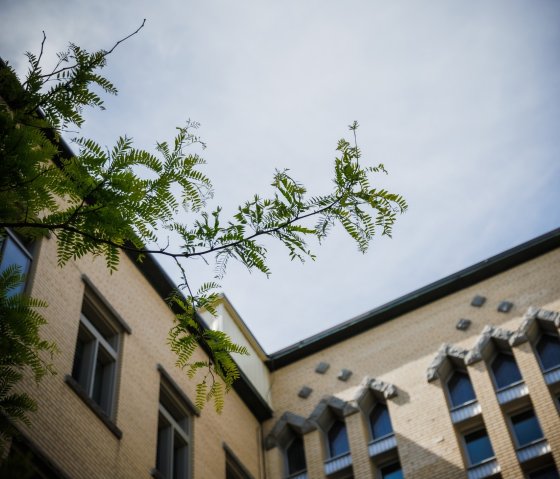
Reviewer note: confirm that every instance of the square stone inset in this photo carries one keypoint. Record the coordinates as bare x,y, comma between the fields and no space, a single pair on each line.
305,392
505,306
478,301
463,324
344,375
322,367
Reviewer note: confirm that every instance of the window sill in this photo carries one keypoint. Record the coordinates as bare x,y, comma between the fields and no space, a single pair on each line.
93,406
156,474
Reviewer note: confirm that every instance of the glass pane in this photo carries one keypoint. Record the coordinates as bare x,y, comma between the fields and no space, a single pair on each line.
548,349
103,380
83,356
393,471
164,444
296,456
460,389
13,254
180,457
505,370
548,473
338,439
526,428
478,447
380,421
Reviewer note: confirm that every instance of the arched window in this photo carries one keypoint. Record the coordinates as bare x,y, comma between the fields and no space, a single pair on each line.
295,456
548,350
505,371
460,389
338,439
380,422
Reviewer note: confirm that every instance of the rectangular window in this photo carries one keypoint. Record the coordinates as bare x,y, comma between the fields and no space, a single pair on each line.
13,251
549,472
174,436
478,447
526,428
97,355
393,471
234,468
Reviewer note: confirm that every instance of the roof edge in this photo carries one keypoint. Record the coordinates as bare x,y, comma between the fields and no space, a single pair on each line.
450,284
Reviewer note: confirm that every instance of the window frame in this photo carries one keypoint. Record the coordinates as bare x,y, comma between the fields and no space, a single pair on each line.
172,402
7,235
466,450
328,441
386,465
493,375
536,344
289,474
448,390
108,385
512,428
370,422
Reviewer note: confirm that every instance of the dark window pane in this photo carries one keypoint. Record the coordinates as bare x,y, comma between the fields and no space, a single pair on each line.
526,428
380,421
460,389
548,349
338,439
505,370
180,457
478,447
548,473
393,471
78,360
296,456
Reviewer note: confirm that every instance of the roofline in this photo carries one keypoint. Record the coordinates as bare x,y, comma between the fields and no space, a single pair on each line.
416,299
238,320
165,287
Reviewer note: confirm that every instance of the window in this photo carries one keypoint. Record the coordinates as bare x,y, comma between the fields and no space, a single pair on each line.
548,350
393,471
13,251
380,422
460,389
295,456
173,442
96,357
505,371
338,439
548,473
478,447
526,428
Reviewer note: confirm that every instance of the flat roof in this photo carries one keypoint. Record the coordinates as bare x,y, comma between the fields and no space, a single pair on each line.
416,299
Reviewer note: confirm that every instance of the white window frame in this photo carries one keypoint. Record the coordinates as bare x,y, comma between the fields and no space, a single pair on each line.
177,423
86,376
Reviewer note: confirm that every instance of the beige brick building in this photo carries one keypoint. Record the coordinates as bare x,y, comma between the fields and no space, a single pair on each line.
460,379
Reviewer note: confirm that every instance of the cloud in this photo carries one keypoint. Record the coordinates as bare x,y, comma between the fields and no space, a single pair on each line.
459,100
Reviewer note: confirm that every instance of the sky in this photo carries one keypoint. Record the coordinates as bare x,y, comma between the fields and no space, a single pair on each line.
459,100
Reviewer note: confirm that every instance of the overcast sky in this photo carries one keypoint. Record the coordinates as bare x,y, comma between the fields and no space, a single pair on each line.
459,99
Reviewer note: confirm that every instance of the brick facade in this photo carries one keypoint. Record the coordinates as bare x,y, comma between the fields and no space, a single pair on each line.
389,363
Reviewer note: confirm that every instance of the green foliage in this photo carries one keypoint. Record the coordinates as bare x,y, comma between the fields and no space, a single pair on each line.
103,201
21,348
